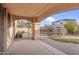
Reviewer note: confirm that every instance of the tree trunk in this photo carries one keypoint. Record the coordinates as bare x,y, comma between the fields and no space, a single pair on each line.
28,32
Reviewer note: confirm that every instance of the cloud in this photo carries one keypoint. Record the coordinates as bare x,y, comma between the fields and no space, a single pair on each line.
23,21
50,19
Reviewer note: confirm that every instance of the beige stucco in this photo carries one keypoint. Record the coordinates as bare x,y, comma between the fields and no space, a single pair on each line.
36,31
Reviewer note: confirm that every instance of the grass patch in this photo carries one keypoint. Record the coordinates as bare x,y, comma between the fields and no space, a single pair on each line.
63,39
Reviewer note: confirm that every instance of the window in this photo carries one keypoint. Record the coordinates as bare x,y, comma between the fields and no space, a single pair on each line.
61,22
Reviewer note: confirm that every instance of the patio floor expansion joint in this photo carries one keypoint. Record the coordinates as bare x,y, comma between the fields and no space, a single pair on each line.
51,49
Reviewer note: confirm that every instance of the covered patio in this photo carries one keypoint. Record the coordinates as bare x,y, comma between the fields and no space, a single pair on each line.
34,12
26,46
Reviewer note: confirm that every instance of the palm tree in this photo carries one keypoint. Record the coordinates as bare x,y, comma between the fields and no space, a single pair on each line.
28,26
46,28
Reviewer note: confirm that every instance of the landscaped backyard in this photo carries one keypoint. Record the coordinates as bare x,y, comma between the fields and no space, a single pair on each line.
66,38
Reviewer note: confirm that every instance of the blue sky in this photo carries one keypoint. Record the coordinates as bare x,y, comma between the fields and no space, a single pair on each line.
73,14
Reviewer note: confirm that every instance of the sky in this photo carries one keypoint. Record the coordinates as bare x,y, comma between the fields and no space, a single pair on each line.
73,14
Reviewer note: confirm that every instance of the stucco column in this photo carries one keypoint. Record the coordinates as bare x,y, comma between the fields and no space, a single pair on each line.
36,29
15,26
3,40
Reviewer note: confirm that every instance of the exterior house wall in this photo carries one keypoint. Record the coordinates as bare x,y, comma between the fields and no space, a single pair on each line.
59,24
58,28
3,41
10,31
6,30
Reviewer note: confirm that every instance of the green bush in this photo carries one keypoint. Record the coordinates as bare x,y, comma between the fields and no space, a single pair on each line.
71,27
18,35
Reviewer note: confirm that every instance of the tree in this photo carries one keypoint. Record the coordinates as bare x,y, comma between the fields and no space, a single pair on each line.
48,28
28,24
24,23
21,23
71,26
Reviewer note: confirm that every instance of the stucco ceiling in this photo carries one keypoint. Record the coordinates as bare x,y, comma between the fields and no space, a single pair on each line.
29,9
40,10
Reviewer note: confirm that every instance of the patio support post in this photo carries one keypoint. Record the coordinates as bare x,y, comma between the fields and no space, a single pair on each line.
36,29
15,26
3,40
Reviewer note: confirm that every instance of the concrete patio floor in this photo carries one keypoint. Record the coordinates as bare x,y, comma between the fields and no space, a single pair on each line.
25,46
68,48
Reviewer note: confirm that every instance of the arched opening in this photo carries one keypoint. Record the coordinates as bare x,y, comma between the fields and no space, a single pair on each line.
70,19
58,21
46,26
23,29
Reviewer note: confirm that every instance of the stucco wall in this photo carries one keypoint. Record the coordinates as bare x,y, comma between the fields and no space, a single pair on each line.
9,36
10,30
59,24
1,29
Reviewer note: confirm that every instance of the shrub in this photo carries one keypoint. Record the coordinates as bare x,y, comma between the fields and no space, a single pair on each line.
18,35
